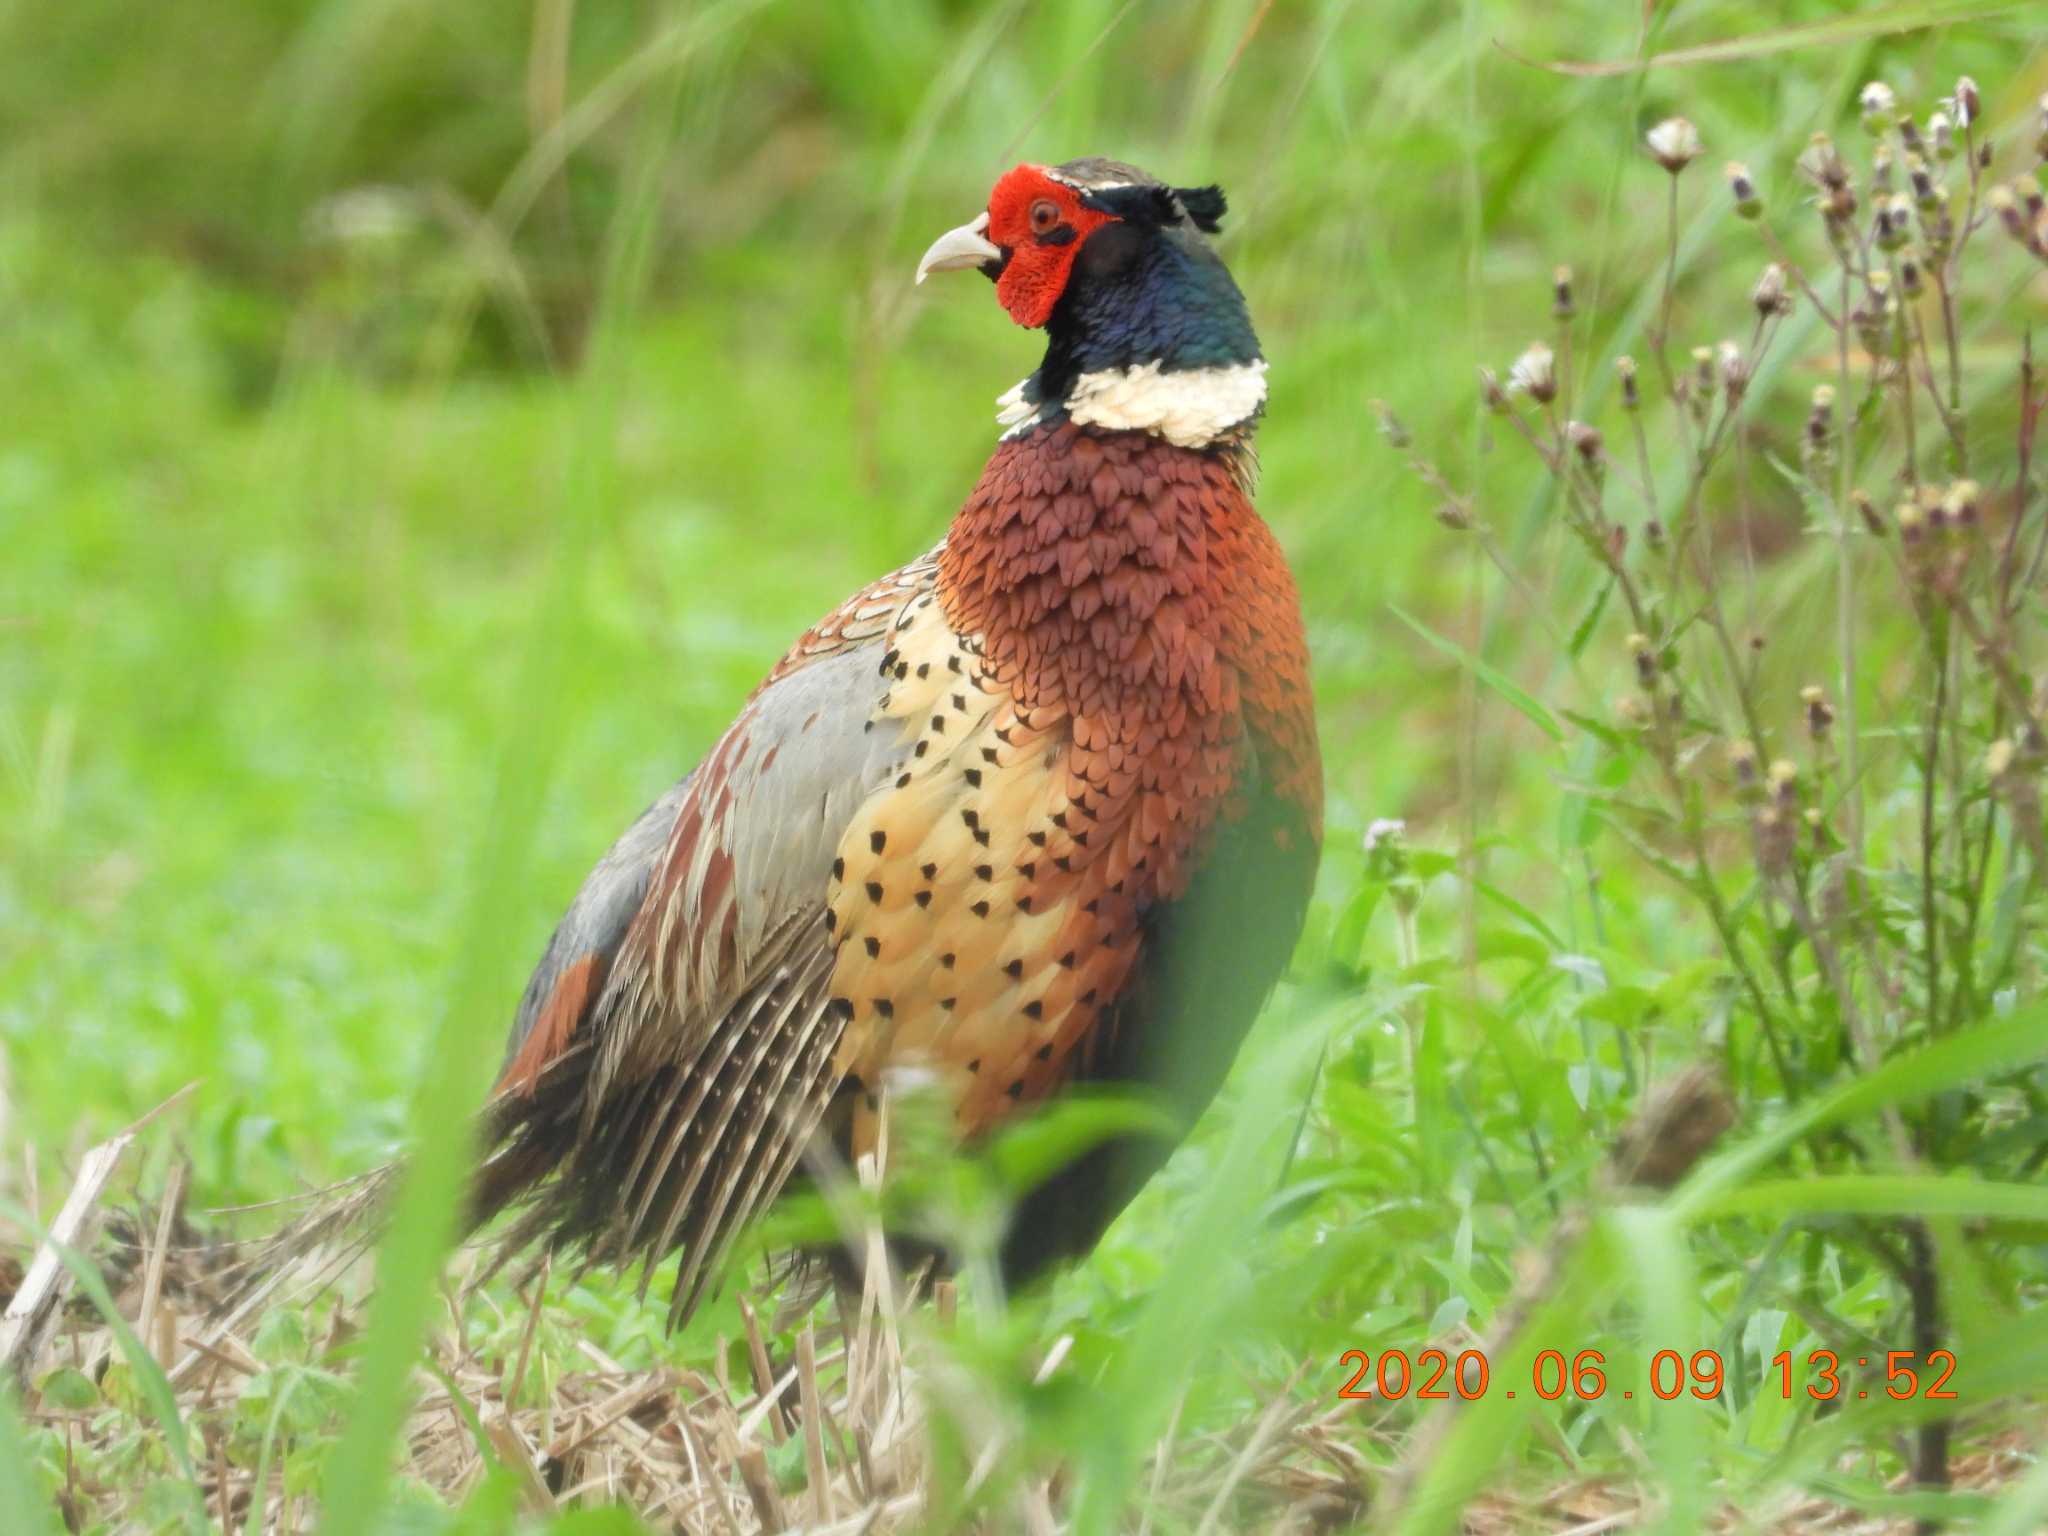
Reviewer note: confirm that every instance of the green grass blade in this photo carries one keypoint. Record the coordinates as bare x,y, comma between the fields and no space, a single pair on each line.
1820,34
423,1224
1492,677
19,1492
1881,1195
2007,1046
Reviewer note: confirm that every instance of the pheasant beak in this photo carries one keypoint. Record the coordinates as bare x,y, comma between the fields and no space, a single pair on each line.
966,246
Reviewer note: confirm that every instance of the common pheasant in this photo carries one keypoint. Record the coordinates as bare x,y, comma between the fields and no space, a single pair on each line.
1042,807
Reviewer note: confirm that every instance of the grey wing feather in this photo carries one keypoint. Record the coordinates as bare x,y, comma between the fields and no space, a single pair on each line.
597,919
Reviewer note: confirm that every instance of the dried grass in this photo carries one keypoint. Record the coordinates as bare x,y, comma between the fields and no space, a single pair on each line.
690,1452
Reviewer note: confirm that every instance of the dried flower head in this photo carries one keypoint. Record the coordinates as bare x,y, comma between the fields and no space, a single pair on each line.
1742,763
1391,426
1561,306
1772,295
1775,837
1867,510
1819,713
1941,134
1894,221
1490,392
1535,374
1742,190
1880,106
1912,522
1625,371
1960,503
1820,421
1824,163
1968,104
1586,441
1734,369
1926,191
1674,144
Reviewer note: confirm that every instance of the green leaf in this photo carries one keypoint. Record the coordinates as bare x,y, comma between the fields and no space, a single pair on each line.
70,1389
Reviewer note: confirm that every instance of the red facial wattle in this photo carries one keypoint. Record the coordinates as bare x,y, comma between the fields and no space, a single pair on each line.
1041,253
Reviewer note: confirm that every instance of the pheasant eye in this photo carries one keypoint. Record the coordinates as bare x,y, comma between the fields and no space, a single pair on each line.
1045,216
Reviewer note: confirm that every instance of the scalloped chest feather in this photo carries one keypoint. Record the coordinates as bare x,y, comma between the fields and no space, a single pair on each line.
1111,655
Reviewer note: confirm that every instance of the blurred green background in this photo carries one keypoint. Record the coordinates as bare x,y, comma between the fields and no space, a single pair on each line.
299,403
363,449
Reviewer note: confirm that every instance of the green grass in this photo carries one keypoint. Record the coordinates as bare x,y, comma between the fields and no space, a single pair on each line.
338,634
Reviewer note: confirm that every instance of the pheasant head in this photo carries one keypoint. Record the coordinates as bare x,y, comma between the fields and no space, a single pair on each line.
1145,330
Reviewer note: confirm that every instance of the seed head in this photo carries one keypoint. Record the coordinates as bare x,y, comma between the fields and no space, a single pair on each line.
1880,107
1894,221
1820,714
2003,203
1742,190
1909,275
1586,441
1968,104
1775,836
1705,375
1625,371
1491,394
1784,782
1960,503
1742,763
1734,368
1561,306
1912,522
1674,144
1455,515
1535,374
1820,421
1391,426
1941,133
1868,512
1926,191
1823,162
1772,295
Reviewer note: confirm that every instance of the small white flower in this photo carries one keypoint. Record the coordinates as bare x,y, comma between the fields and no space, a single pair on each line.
1387,829
1535,374
1674,144
1879,105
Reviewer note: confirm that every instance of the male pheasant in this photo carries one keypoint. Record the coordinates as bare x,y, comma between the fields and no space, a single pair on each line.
1042,807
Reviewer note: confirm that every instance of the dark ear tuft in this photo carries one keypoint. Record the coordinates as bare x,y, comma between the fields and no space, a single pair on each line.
1205,205
1144,203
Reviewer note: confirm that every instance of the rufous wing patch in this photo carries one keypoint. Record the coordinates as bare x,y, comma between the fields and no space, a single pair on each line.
573,993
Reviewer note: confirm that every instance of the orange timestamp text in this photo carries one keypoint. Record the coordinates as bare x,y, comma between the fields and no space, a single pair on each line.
1436,1375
